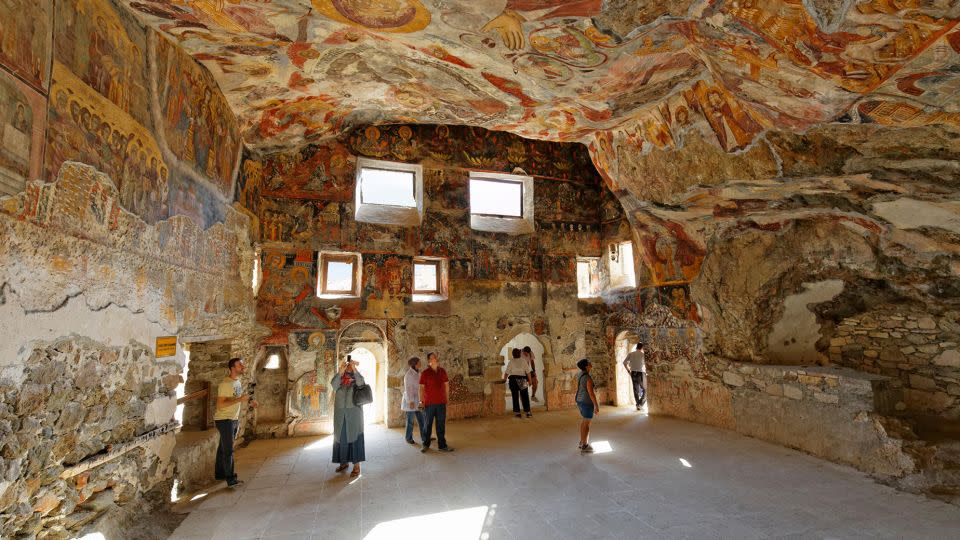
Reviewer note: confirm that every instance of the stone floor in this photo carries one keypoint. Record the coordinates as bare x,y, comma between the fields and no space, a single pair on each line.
525,479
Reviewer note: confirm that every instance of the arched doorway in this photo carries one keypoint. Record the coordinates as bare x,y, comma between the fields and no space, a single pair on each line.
520,341
626,343
368,369
366,342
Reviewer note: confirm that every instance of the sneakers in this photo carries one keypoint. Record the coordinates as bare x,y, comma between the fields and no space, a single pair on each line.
235,484
529,415
445,449
586,449
423,449
411,441
517,415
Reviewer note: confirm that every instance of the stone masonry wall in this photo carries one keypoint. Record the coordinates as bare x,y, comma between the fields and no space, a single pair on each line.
914,348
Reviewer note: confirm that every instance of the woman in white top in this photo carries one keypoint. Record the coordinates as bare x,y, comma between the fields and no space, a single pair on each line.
411,398
518,376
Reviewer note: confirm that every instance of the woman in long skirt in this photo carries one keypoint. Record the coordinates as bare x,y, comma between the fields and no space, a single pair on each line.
347,419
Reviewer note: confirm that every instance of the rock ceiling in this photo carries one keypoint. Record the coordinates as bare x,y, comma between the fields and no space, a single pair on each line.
296,70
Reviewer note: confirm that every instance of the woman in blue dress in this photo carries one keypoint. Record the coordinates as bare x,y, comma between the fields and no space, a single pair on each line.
347,419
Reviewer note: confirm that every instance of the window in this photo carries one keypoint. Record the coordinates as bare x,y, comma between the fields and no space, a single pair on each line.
429,279
588,277
621,265
501,202
339,275
388,192
503,198
273,361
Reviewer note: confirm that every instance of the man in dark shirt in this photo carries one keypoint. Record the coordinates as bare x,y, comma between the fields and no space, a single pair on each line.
434,393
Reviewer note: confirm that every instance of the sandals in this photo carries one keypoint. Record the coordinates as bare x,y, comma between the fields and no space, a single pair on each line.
355,472
342,467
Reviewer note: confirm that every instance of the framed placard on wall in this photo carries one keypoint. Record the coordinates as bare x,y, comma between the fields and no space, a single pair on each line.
166,346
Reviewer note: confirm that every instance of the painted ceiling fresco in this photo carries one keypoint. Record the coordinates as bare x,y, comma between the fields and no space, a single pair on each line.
296,70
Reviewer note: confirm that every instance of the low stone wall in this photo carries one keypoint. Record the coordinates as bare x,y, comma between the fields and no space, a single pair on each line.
918,349
194,458
832,413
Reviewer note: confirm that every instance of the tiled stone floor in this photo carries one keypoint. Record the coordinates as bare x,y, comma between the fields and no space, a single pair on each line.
525,479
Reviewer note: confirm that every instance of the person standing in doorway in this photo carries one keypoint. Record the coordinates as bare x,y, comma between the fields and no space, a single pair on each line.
434,394
635,363
586,399
348,446
528,355
410,403
517,376
230,397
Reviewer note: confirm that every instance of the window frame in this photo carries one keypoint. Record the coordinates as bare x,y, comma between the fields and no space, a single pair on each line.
498,181
443,280
502,223
621,281
388,214
323,263
437,285
594,277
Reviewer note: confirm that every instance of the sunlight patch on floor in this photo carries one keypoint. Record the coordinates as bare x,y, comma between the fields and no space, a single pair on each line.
451,525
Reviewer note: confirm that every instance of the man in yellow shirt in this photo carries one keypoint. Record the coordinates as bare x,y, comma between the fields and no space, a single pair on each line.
230,397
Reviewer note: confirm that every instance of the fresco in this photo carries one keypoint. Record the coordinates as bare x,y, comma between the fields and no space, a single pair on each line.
106,49
85,126
311,398
25,40
198,125
560,70
22,121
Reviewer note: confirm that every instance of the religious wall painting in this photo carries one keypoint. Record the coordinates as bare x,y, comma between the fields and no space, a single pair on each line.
304,222
106,49
26,40
23,113
311,397
387,282
198,124
399,16
667,252
85,126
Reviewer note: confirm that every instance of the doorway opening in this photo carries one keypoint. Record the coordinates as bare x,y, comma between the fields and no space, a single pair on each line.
519,342
368,370
625,344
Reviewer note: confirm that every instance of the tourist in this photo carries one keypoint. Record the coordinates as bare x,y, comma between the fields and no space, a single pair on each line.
230,397
517,375
347,419
635,363
410,402
434,395
528,353
586,400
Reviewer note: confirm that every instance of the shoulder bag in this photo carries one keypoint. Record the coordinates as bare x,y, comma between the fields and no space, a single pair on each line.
362,395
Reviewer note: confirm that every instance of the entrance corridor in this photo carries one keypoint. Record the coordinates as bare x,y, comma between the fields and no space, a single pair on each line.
525,479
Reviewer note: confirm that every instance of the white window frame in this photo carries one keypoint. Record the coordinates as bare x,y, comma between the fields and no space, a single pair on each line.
338,256
621,280
595,276
385,214
442,280
506,224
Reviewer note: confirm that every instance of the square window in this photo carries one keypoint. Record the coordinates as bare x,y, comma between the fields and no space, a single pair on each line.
339,275
501,203
426,277
588,277
429,279
503,198
622,273
388,192
387,187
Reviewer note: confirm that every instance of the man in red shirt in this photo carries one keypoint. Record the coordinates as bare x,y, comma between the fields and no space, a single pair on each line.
434,393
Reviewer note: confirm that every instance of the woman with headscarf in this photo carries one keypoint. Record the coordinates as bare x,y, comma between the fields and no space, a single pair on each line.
348,444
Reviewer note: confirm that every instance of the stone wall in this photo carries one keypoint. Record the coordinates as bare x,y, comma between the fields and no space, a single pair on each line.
912,347
120,231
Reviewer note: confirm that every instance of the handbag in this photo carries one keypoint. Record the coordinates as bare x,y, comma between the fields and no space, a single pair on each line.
362,395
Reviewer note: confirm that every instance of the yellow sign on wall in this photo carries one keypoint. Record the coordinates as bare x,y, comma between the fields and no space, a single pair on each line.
166,346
